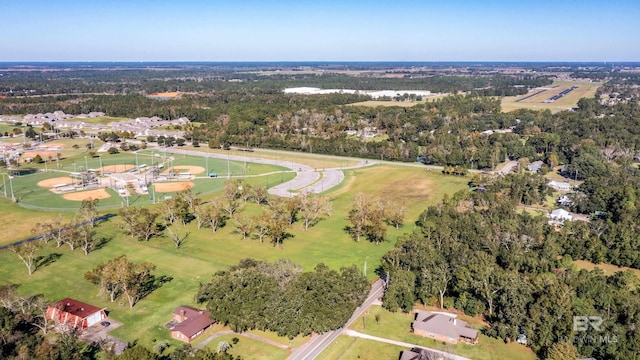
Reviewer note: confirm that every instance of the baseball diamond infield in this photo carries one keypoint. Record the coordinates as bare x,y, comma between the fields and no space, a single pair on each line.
173,186
185,168
84,195
49,183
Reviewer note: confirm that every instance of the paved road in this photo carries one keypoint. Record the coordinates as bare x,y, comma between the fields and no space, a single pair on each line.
508,167
307,178
319,343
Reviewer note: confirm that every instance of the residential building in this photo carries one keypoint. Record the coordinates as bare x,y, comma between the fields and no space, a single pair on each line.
560,185
560,216
443,327
75,314
190,322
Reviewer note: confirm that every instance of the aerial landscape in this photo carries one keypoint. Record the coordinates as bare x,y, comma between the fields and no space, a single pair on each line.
326,180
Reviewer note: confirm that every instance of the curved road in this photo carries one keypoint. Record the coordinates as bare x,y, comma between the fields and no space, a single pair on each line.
307,178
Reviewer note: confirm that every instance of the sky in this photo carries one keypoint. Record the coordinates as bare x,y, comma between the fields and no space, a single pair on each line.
318,30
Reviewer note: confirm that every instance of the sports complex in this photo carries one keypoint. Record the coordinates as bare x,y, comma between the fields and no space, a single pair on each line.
143,177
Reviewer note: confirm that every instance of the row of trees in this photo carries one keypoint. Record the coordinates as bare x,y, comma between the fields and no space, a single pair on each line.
273,222
77,233
280,297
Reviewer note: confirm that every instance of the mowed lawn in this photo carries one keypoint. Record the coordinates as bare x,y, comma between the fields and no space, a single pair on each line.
397,326
16,222
286,157
206,252
570,100
347,348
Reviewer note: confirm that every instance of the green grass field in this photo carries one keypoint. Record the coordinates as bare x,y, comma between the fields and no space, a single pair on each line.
205,252
347,348
584,90
313,160
397,326
376,103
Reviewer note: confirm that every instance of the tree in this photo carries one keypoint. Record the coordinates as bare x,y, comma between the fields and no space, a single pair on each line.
438,277
277,225
87,238
243,225
211,214
223,347
313,207
562,351
176,237
400,292
28,254
261,227
358,215
120,276
88,211
139,222
37,159
394,214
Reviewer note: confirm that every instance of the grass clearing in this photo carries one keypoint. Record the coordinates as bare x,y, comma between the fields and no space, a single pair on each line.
397,326
570,100
347,348
250,348
608,269
405,104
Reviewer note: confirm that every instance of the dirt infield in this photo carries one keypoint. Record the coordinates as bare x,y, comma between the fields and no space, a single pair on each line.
173,186
117,168
44,154
185,168
49,183
91,194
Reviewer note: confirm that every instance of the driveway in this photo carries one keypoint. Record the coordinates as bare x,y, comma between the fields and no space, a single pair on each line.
100,334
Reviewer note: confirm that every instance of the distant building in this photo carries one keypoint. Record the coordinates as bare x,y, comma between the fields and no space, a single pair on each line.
535,166
75,314
560,216
559,185
190,323
443,327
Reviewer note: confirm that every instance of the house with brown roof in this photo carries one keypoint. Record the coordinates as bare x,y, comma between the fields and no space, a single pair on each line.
75,314
443,327
190,322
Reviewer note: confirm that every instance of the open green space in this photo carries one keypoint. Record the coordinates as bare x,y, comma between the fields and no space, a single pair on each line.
570,100
347,347
608,269
408,103
250,348
397,326
205,252
313,160
16,222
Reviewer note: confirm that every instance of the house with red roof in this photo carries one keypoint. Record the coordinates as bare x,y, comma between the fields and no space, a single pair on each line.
190,323
75,314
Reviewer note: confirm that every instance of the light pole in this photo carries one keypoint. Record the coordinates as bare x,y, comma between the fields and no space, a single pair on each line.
100,157
86,164
228,168
13,198
4,185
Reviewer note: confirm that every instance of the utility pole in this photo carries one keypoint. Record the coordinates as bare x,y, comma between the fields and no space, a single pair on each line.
4,185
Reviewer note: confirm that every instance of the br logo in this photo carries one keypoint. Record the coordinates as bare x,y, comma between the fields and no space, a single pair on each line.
582,323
